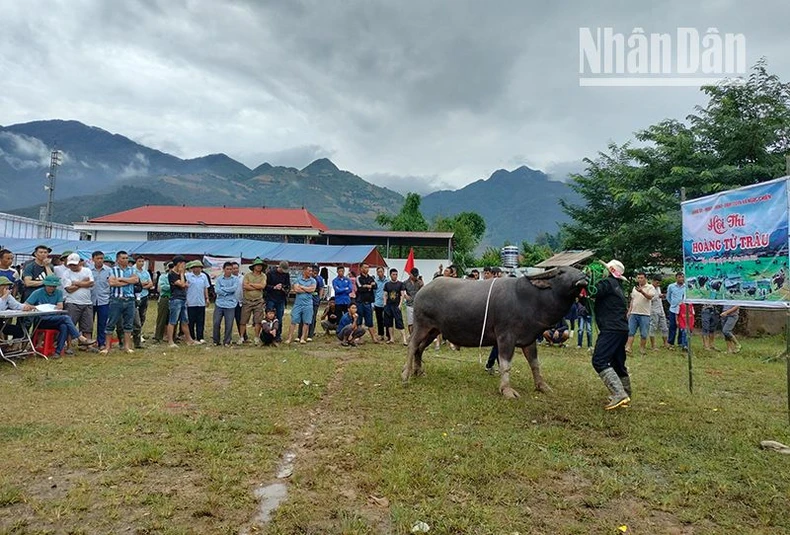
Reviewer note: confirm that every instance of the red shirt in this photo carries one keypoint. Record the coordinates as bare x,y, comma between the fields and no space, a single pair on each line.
682,316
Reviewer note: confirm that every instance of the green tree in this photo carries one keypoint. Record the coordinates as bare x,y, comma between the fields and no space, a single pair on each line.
534,253
409,219
631,194
468,229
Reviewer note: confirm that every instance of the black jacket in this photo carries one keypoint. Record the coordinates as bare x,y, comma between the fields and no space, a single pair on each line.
610,305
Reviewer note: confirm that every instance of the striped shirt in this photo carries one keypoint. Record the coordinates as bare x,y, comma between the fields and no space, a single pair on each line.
126,290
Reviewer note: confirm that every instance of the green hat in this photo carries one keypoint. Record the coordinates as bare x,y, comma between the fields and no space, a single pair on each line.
65,254
194,264
52,280
5,282
257,262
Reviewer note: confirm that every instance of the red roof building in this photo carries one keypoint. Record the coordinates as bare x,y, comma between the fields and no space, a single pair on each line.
295,225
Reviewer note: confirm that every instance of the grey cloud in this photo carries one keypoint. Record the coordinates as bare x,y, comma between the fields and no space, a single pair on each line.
408,184
395,89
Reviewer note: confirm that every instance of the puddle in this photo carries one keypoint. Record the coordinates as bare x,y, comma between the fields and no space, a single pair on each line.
270,497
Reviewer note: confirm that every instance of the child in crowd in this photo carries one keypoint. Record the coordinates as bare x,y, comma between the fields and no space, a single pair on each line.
269,328
329,317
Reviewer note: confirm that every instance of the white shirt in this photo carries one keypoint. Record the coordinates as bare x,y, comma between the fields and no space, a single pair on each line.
83,295
639,304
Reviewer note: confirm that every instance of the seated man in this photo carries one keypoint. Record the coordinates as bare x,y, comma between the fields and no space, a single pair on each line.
49,294
557,335
7,302
349,330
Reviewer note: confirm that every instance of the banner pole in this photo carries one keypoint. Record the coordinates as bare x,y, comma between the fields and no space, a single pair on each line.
787,357
687,329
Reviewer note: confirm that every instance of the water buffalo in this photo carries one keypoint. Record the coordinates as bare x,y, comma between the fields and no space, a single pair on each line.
519,310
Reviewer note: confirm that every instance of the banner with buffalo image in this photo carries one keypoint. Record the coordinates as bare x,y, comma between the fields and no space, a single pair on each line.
213,265
735,246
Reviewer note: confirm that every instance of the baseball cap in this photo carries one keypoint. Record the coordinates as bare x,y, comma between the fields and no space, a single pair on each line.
616,268
73,259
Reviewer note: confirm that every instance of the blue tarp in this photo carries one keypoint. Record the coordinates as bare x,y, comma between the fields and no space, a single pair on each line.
298,253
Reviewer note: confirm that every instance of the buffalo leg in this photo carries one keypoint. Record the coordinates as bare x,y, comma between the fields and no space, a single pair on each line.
420,339
531,352
505,360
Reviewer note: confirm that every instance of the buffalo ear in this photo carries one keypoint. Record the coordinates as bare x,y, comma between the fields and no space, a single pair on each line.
541,283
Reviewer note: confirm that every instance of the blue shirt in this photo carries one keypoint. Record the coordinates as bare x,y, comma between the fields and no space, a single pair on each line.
675,295
345,320
380,282
304,299
226,288
100,293
41,297
127,290
196,291
319,286
144,278
342,287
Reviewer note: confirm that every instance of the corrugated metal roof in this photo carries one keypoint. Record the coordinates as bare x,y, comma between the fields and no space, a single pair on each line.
389,234
565,258
215,216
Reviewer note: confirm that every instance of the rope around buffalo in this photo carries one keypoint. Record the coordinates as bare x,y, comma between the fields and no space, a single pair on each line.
485,319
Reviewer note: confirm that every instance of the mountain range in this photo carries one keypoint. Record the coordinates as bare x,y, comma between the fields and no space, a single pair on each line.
104,173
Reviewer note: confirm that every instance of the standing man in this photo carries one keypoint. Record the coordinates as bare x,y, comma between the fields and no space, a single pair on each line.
710,322
366,295
225,305
658,320
252,305
343,288
318,295
8,271
278,286
100,296
141,300
163,304
381,280
77,282
676,294
122,280
239,297
34,272
393,293
609,356
178,302
412,285
302,311
639,313
729,316
197,297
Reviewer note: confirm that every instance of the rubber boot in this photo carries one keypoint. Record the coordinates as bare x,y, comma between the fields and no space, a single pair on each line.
615,386
626,384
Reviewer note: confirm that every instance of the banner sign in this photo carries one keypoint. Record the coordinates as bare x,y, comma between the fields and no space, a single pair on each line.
735,246
213,265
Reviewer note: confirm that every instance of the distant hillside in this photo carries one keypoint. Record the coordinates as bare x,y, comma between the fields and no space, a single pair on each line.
104,173
516,205
100,167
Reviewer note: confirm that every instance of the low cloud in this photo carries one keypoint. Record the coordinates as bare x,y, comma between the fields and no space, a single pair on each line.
409,184
137,167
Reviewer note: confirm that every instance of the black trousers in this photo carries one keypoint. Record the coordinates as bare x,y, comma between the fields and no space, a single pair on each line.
610,352
197,322
379,311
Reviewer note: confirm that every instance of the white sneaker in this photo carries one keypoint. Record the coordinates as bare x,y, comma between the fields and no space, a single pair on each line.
142,339
240,342
309,339
200,342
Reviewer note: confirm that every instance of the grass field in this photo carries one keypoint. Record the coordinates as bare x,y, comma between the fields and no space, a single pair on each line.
175,441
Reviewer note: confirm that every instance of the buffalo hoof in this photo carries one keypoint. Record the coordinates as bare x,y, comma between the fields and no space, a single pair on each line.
509,393
419,372
544,388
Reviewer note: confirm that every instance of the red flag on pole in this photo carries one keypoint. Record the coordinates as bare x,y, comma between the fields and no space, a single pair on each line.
409,261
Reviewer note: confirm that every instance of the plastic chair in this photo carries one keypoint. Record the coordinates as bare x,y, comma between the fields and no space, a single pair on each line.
44,341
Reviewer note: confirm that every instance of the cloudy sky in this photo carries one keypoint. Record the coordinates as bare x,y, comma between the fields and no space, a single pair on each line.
415,95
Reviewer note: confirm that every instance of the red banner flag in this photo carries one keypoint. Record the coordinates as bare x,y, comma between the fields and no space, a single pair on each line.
409,262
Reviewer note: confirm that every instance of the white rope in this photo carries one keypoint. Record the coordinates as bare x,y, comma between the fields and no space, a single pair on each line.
485,319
